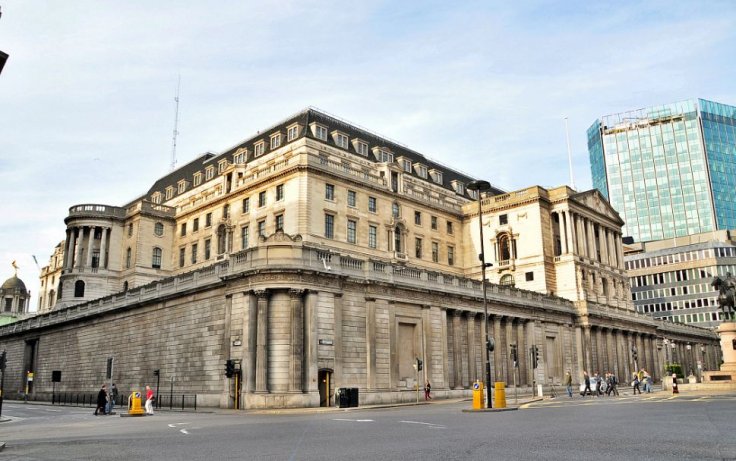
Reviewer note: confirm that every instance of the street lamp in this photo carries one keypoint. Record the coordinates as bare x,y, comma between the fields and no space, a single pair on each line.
480,186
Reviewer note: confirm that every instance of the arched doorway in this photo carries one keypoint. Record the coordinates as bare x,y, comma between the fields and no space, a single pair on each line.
326,388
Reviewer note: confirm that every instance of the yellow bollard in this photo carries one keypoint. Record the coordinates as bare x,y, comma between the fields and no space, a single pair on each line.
134,404
500,389
478,403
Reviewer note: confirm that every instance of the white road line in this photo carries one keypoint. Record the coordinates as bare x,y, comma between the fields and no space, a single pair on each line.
419,422
183,431
354,420
172,425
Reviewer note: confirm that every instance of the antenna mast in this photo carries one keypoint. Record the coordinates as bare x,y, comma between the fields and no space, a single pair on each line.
176,126
569,154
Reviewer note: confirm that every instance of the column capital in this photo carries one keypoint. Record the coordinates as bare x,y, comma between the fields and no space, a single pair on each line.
261,293
296,292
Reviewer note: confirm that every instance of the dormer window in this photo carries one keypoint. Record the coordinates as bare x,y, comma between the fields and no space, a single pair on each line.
221,165
259,148
405,164
383,155
209,173
473,194
460,188
361,147
197,179
181,186
421,170
169,192
240,156
319,131
155,198
292,132
275,141
436,176
341,140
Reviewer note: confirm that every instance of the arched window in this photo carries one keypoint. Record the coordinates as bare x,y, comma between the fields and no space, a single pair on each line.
79,289
507,279
156,259
51,299
221,239
158,229
504,247
128,256
398,244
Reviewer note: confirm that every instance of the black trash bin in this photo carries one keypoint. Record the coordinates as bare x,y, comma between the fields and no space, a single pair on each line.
353,393
343,397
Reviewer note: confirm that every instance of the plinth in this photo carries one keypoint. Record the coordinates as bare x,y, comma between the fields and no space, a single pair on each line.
727,374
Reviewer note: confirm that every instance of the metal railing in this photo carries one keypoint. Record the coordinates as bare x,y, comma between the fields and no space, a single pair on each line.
177,402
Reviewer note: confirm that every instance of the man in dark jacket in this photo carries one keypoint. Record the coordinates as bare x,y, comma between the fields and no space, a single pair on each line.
586,380
101,400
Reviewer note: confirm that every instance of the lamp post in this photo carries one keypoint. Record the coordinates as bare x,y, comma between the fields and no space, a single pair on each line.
479,186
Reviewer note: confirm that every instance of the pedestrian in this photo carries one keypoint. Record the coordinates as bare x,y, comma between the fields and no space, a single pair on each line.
598,381
647,382
635,383
101,400
113,398
568,383
614,384
427,390
674,384
586,380
149,400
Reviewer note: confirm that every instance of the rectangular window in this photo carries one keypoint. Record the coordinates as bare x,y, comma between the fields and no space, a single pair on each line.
279,222
372,204
451,255
395,210
503,219
262,199
329,226
320,132
407,165
195,225
329,192
209,173
182,186
292,133
246,205
422,171
156,260
351,198
418,248
226,211
197,179
433,221
169,192
182,256
341,140
208,220
183,229
449,227
435,252
259,148
372,236
529,276
207,249
418,218
362,148
194,253
262,227
244,236
221,166
351,230
275,140
279,192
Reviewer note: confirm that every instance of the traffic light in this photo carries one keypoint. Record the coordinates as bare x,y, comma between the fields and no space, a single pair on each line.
633,353
419,364
156,372
514,356
229,368
3,360
109,368
534,352
490,344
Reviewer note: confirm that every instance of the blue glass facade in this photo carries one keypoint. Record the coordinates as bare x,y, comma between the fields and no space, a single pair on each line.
669,170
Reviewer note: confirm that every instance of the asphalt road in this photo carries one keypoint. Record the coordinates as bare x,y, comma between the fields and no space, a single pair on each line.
655,426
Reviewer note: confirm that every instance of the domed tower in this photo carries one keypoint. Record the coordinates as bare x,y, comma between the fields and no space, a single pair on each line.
15,299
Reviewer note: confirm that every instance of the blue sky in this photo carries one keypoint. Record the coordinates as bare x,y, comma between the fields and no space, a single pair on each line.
87,109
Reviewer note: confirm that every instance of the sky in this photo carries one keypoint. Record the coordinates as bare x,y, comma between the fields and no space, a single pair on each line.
87,96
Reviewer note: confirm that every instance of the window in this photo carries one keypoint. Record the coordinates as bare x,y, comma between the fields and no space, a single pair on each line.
226,211
275,141
239,156
207,249
351,230
361,148
451,255
197,179
262,199
418,218
372,236
194,253
329,226
158,229
507,280
182,256
449,227
320,132
529,276
208,220
259,148
329,192
435,252
436,176
351,198
78,289
195,225
262,228
128,257
422,171
341,140
279,192
395,210
221,239
384,156
433,221
459,188
183,229
406,164
181,187
372,204
398,242
156,197
169,192
280,222
156,258
246,205
244,237
418,248
209,173
221,165
292,132
130,230
503,219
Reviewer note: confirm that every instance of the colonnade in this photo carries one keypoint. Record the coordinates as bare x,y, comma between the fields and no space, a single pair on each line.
577,236
80,239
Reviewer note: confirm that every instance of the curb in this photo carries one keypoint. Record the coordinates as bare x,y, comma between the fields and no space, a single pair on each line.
491,410
2,446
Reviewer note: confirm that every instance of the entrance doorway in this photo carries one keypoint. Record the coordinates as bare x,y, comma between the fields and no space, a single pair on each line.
326,388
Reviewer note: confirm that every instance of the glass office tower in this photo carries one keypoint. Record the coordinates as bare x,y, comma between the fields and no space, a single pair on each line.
669,170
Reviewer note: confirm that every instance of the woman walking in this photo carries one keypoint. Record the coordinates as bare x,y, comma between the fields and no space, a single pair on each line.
427,390
101,400
674,384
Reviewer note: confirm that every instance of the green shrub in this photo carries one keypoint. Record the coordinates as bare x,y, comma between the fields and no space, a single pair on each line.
674,368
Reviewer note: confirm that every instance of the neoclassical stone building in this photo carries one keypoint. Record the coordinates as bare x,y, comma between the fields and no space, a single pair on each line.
317,255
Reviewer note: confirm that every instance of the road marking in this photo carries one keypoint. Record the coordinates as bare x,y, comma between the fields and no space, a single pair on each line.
437,426
49,409
183,431
354,420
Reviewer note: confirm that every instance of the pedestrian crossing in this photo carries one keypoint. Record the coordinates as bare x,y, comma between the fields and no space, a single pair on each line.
625,399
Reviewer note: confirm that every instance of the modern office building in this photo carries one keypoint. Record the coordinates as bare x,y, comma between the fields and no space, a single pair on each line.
669,170
671,279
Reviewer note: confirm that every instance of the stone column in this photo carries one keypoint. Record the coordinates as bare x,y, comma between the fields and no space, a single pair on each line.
572,232
530,341
337,339
445,351
69,255
611,250
582,244
593,254
497,356
509,340
619,251
80,237
521,350
103,249
262,342
472,362
568,232
457,349
249,380
309,366
370,342
427,343
296,343
561,230
604,245
588,349
90,243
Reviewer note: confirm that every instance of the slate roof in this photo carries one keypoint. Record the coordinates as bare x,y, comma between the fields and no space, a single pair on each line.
304,118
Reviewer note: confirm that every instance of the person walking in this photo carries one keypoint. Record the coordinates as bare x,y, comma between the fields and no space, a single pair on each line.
598,381
101,400
674,384
112,399
149,400
568,383
586,380
613,389
635,383
427,390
